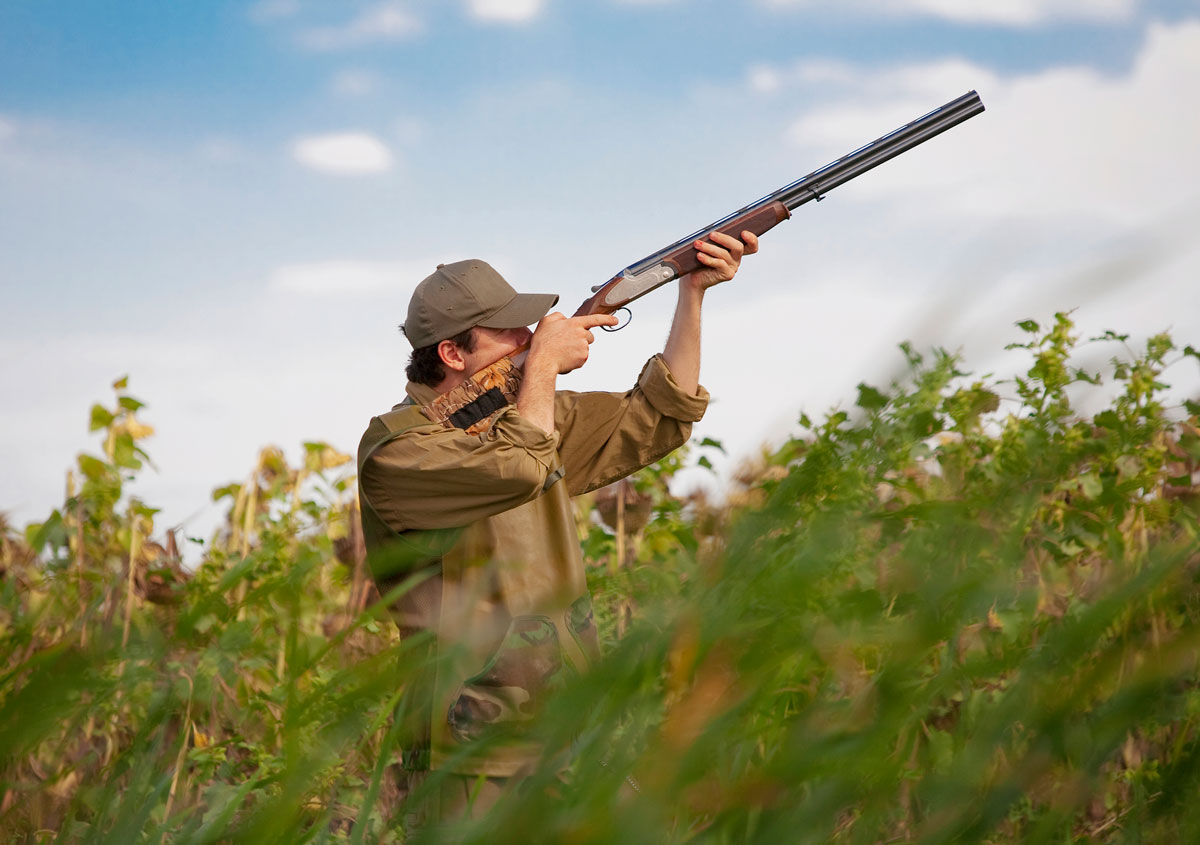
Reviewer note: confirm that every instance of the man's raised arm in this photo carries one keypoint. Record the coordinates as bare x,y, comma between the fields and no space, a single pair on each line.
721,261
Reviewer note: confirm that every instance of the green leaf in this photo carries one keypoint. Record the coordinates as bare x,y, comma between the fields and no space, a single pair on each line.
130,404
925,423
101,418
139,507
92,468
125,452
121,383
230,490
1107,419
716,444
1091,485
1028,326
869,398
704,462
221,803
52,532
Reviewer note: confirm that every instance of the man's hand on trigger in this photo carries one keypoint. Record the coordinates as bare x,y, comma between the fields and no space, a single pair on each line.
721,256
561,343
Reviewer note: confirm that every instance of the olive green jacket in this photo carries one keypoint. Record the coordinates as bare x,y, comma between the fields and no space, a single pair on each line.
510,604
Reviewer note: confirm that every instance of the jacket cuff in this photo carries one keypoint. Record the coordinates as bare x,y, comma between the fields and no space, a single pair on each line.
520,431
666,396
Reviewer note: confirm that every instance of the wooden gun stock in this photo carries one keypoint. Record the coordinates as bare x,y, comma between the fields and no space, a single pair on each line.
682,260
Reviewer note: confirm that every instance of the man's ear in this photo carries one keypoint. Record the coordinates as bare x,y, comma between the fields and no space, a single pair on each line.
451,355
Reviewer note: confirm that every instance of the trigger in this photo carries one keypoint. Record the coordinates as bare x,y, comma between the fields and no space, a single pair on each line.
620,326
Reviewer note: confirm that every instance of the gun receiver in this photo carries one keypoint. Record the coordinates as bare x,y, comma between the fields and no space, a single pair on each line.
679,258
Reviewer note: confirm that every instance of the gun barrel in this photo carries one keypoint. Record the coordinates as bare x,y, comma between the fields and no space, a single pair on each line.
815,185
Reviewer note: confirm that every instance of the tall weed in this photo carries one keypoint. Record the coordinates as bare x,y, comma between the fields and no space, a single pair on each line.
959,611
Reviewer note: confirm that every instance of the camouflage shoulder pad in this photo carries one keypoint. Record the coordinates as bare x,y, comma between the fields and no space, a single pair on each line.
474,404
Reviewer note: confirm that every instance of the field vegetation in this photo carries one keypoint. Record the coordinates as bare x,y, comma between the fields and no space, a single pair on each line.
959,611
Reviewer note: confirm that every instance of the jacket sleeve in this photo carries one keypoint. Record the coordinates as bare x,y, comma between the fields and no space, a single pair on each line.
606,436
434,477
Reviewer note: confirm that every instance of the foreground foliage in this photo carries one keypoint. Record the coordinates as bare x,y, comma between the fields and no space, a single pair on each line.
961,612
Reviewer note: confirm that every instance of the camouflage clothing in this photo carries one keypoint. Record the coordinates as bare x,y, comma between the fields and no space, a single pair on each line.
509,603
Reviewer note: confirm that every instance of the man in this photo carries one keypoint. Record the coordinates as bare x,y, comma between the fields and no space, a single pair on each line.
506,595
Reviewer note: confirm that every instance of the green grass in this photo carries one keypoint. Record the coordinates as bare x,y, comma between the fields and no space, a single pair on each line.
958,612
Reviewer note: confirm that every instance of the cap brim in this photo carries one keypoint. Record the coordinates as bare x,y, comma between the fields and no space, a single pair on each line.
523,310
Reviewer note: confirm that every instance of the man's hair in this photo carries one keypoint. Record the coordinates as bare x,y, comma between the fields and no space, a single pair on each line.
426,367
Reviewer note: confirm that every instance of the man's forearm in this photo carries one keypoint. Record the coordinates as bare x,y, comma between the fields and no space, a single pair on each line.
535,400
682,352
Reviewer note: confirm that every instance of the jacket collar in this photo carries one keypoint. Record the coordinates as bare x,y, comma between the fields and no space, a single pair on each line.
421,394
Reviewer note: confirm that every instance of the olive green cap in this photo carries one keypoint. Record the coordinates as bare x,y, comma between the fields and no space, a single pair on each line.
460,296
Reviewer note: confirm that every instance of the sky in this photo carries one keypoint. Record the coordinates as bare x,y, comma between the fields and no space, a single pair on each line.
231,202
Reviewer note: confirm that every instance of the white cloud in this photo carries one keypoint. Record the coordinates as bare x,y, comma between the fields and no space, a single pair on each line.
219,148
1067,142
353,83
1015,12
1003,12
343,153
7,128
379,23
409,130
505,11
763,79
348,276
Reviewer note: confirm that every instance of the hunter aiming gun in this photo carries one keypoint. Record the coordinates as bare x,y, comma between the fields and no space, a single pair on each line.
472,405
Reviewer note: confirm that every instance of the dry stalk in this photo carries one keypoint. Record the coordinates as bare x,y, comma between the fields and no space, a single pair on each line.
281,657
181,757
135,551
250,505
235,520
79,559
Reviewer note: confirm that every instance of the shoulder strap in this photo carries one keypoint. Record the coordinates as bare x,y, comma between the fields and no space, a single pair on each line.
399,412
415,546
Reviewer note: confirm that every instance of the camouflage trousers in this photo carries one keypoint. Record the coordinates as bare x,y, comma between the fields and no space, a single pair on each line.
453,798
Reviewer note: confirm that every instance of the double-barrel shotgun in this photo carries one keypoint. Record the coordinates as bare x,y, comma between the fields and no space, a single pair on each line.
473,404
679,259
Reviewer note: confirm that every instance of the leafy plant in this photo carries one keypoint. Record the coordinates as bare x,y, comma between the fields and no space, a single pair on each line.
959,611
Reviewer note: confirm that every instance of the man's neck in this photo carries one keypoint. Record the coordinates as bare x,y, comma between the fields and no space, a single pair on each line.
452,380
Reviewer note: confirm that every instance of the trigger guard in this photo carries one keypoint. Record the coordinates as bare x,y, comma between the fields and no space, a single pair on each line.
620,326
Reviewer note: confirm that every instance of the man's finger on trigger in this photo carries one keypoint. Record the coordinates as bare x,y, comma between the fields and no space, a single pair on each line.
588,321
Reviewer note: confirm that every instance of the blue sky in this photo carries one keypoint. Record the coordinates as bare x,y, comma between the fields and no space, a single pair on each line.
231,201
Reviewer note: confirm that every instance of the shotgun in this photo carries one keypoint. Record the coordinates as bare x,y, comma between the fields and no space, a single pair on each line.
473,404
679,258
